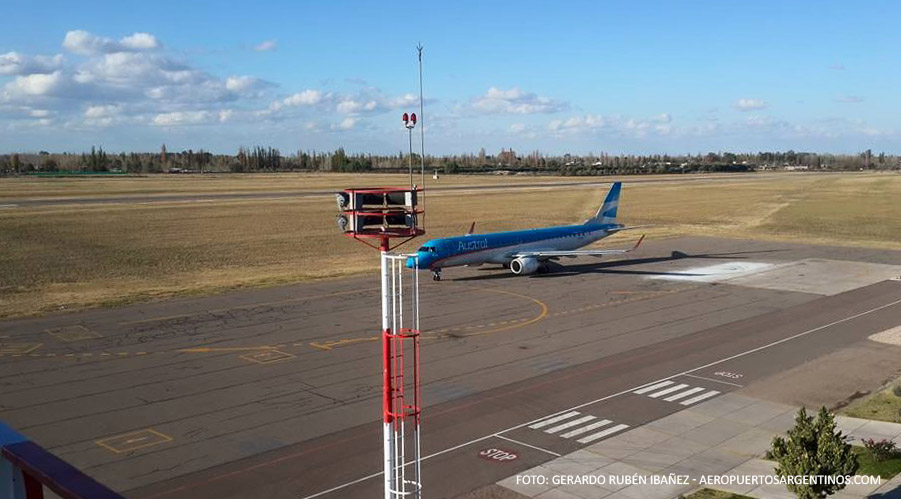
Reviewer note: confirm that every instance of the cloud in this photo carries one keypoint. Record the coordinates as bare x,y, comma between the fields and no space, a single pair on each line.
750,104
85,43
352,107
14,63
307,97
126,81
613,126
849,99
580,123
367,101
140,41
179,118
517,127
515,101
102,115
250,86
347,123
37,84
265,46
102,111
837,67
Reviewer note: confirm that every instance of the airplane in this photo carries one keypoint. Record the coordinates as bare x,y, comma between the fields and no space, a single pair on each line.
524,251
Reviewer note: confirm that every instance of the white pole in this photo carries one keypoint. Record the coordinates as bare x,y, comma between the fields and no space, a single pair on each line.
388,431
421,131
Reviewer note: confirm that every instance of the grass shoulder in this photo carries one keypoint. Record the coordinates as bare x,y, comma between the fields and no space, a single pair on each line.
884,405
869,466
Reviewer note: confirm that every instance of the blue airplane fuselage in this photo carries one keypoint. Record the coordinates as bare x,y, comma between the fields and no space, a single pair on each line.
498,247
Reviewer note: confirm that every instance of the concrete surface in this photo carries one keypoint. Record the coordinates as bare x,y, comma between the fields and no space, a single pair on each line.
732,442
276,392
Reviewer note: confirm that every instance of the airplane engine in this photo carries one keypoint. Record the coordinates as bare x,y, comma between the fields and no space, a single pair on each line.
522,266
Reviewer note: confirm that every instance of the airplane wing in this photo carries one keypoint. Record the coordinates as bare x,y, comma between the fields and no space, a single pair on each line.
575,253
611,231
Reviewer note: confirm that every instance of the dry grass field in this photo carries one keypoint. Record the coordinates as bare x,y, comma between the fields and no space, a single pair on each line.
75,256
161,185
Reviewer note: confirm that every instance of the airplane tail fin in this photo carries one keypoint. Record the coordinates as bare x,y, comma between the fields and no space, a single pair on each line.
607,212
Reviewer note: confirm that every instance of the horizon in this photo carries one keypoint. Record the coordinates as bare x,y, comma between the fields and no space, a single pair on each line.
580,78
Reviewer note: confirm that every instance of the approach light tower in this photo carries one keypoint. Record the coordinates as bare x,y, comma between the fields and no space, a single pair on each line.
375,216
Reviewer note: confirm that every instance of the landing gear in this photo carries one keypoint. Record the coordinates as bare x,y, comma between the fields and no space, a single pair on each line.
436,275
544,268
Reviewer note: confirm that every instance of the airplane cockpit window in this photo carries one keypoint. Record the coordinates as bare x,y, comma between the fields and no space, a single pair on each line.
428,249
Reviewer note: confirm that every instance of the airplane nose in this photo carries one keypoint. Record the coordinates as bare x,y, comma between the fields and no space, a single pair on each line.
424,261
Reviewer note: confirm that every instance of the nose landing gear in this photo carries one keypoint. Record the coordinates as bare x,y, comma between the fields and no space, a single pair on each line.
436,275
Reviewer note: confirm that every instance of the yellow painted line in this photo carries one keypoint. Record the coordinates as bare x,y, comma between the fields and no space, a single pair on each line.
223,349
328,345
520,322
109,443
19,348
268,356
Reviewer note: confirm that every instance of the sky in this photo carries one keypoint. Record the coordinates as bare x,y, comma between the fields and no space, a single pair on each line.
580,77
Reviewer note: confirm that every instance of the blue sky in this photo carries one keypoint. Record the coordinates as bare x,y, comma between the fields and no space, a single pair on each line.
634,77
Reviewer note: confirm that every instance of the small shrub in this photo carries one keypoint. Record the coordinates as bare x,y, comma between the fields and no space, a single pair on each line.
897,390
814,446
882,450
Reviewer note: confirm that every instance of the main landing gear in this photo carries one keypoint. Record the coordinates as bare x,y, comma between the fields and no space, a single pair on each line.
436,275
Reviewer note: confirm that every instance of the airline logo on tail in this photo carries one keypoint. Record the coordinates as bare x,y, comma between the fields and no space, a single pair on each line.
607,212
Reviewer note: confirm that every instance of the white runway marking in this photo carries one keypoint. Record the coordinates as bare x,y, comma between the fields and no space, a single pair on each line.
677,391
652,387
685,393
667,390
554,420
586,429
703,396
619,394
8,206
528,445
602,434
570,424
715,380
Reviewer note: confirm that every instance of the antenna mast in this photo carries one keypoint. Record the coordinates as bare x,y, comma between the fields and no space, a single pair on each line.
419,48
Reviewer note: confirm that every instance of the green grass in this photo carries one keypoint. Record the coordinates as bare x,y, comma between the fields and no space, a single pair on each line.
714,494
883,405
870,467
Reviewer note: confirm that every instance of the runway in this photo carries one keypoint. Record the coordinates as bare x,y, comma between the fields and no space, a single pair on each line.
277,392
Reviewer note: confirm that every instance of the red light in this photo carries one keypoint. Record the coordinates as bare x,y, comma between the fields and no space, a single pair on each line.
413,118
406,118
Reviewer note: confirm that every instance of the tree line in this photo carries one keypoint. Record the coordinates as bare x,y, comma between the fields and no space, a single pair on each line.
268,159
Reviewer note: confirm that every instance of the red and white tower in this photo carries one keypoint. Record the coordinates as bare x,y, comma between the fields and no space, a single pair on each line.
375,216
